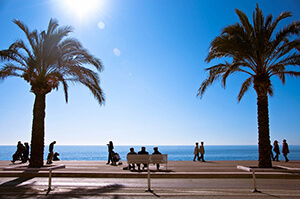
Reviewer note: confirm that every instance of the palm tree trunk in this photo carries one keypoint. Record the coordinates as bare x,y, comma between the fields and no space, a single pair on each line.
38,133
263,131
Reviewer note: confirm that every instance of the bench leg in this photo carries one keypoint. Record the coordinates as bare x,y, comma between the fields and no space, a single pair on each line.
149,182
50,178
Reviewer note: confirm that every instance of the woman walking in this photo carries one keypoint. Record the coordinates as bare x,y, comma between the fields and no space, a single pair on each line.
202,151
196,152
285,150
276,150
110,152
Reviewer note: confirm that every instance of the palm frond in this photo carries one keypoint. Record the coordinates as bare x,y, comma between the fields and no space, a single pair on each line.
270,90
53,24
6,54
10,69
244,21
245,87
215,73
230,69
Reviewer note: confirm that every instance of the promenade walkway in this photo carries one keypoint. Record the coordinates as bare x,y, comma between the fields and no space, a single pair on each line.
182,179
175,169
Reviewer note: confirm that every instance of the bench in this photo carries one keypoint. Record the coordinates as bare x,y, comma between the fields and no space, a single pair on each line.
148,159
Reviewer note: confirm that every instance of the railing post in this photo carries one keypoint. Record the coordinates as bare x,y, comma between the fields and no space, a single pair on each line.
254,181
148,175
50,177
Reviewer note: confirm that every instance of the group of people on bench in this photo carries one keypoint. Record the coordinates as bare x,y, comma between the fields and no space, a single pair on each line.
142,152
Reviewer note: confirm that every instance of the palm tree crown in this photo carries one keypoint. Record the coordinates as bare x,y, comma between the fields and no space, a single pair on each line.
50,60
260,52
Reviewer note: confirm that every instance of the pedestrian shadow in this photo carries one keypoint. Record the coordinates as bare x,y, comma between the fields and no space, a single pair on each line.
82,192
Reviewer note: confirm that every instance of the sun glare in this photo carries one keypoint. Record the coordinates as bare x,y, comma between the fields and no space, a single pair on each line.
82,8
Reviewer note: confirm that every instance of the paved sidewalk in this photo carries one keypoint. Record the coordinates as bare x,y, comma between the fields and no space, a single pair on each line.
182,179
175,169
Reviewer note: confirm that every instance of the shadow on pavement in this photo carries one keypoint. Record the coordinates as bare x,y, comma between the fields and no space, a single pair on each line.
152,170
15,182
85,192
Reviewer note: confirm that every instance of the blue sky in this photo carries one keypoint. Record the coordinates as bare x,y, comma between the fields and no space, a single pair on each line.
153,52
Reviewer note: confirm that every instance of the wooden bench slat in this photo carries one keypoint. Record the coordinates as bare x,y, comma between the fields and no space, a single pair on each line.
144,159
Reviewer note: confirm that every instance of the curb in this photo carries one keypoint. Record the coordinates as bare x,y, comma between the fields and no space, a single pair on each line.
186,175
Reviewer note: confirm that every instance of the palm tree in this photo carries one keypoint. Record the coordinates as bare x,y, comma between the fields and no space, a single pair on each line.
51,59
260,52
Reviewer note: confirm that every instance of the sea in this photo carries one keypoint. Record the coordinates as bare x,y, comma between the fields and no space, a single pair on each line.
175,153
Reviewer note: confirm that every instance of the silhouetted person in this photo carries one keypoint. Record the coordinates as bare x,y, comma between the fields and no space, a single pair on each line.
132,152
51,154
26,152
271,152
276,150
202,152
110,147
196,152
142,152
285,150
154,153
55,156
115,158
18,154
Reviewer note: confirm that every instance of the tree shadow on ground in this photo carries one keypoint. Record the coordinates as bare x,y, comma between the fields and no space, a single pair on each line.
15,182
14,189
84,192
11,190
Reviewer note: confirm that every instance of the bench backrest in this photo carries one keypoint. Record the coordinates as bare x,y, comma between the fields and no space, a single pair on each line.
137,159
144,159
156,159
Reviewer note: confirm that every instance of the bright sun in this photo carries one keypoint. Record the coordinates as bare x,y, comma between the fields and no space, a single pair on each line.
82,8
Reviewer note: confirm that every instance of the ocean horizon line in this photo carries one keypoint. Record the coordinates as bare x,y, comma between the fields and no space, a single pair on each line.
149,144
175,152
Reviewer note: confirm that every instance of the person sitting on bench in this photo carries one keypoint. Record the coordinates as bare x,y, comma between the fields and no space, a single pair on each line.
143,152
156,152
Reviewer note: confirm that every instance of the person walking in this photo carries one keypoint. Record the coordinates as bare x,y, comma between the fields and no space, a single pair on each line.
271,152
276,150
51,153
18,155
196,152
25,152
110,147
202,152
285,150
